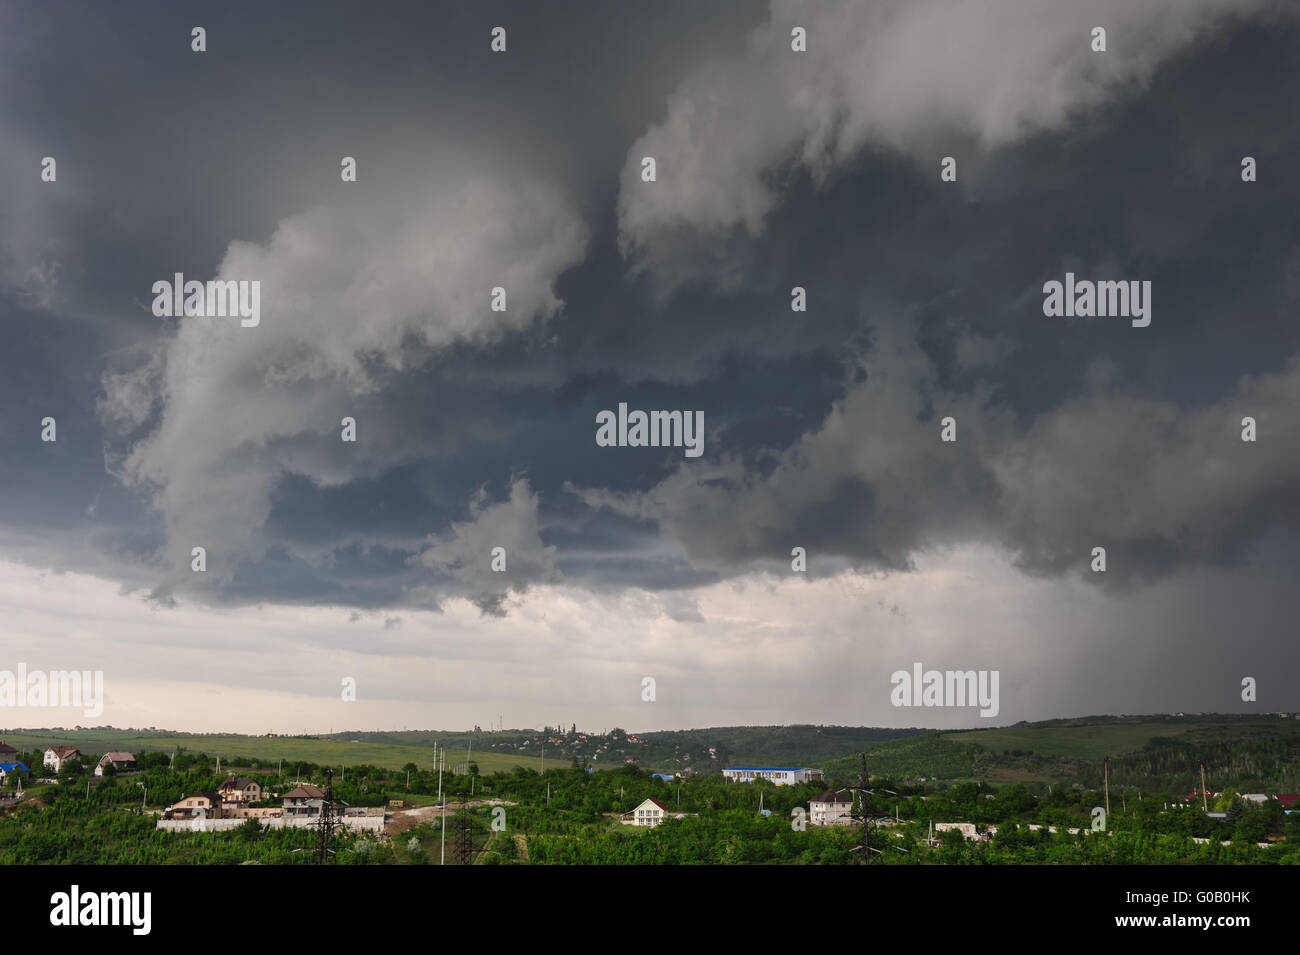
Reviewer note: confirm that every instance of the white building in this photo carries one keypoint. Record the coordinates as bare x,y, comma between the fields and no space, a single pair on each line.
831,809
56,756
780,775
649,813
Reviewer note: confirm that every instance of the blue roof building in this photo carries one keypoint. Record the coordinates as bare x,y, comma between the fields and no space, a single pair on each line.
780,775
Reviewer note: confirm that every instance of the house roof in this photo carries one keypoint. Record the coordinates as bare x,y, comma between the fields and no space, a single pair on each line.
769,769
237,782
648,800
117,757
305,791
10,767
1287,799
205,793
6,748
63,752
832,796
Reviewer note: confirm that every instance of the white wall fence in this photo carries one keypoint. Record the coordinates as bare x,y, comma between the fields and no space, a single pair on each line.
359,822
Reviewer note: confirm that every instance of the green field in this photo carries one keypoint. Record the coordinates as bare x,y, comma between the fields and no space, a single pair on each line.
323,752
1146,751
1092,741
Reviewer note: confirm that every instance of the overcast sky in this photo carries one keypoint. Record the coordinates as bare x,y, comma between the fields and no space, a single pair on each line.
476,428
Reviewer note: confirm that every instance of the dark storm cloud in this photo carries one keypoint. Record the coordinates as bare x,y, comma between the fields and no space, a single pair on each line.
822,428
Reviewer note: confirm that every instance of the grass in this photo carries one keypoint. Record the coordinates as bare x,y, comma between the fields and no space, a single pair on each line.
332,753
1074,742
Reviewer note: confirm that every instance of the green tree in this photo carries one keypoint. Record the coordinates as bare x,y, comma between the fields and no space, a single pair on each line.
250,830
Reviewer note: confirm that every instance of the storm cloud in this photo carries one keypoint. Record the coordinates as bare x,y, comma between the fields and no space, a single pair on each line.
776,169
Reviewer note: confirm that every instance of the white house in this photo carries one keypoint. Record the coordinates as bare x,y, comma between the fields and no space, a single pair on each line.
780,775
119,761
649,813
831,809
56,756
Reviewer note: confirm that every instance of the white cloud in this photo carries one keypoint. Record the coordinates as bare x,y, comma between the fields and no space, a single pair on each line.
466,551
916,76
765,649
347,301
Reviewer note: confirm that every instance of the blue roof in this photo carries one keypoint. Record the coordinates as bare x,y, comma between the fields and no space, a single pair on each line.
10,767
661,776
771,769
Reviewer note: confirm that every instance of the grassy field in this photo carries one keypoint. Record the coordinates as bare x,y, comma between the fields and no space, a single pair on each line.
1141,749
1076,742
238,749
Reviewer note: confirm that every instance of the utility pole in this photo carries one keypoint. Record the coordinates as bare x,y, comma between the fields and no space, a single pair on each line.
861,814
1205,801
1105,764
463,850
443,804
326,821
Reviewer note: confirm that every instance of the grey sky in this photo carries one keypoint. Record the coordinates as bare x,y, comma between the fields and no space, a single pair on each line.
476,428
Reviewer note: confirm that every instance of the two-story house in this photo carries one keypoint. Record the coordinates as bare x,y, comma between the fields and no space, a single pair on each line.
204,803
56,756
238,791
304,800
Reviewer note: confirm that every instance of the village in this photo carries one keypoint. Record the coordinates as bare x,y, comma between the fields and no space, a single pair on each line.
529,814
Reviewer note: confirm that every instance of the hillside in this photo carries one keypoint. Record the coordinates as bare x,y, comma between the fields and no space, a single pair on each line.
242,750
702,750
1151,753
705,750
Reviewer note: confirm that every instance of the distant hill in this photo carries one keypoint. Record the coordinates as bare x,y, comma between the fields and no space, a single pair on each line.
237,750
1151,753
705,750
